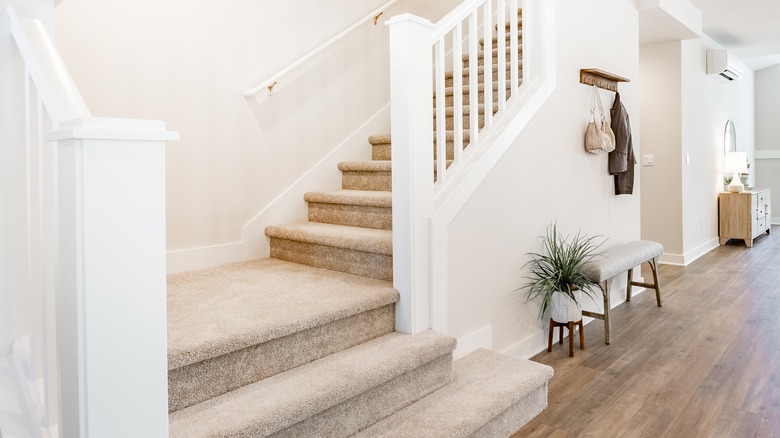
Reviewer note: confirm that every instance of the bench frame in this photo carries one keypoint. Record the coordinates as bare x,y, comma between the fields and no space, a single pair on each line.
653,262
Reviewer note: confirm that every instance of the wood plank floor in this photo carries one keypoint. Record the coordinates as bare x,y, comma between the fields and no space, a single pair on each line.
707,364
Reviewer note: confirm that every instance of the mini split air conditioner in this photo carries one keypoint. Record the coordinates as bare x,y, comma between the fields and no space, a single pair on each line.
718,65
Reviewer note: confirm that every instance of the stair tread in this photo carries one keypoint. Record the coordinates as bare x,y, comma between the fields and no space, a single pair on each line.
385,139
368,198
448,91
367,166
266,299
340,236
486,384
450,110
465,72
481,54
277,402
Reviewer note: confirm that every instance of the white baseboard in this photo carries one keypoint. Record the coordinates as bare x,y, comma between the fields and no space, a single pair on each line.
288,206
672,259
690,256
482,338
700,250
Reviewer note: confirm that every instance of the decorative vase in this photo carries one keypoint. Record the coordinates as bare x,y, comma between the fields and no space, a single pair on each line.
564,309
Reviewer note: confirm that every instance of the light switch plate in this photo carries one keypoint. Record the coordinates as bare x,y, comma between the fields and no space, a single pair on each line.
647,160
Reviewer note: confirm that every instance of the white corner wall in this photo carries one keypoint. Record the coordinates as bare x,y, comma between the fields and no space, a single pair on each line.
189,64
546,176
683,127
768,134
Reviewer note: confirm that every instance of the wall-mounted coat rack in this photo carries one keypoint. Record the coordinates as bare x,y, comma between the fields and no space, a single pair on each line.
601,79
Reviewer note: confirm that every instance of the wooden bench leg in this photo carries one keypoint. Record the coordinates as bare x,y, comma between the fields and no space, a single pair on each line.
654,267
582,336
629,284
607,325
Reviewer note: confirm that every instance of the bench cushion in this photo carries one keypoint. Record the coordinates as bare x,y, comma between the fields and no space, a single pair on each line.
620,259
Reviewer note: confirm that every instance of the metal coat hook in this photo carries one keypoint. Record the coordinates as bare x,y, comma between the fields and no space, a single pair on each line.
376,17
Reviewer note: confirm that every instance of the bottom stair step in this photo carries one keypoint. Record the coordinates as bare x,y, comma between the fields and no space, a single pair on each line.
493,395
332,397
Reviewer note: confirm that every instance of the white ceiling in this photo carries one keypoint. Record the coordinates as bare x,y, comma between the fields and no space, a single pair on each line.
749,29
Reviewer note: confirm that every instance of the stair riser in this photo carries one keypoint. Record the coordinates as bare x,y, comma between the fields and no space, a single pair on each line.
352,180
507,40
492,57
200,381
383,151
450,121
450,101
351,215
449,82
366,264
517,416
365,409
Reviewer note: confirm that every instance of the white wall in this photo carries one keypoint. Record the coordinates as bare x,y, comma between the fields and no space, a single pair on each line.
189,63
768,134
707,105
684,117
546,176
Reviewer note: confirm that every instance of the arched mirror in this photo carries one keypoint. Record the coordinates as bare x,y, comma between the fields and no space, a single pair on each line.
730,137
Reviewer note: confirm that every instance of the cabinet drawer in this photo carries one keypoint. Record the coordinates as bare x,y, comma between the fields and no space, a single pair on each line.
760,225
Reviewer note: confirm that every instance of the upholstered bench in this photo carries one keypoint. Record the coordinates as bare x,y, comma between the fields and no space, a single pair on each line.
614,261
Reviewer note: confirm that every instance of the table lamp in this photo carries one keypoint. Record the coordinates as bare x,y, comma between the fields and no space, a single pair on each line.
735,162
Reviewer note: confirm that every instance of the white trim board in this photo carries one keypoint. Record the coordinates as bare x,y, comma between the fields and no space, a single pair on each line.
767,154
288,206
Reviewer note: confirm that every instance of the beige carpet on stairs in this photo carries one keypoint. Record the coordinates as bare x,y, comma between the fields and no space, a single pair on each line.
284,348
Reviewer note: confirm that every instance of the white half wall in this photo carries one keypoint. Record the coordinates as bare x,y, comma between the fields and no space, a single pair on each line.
546,176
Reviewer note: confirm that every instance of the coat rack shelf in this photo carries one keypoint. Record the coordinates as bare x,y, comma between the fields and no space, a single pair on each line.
601,79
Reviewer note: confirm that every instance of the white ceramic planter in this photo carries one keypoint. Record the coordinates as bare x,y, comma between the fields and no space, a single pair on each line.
564,309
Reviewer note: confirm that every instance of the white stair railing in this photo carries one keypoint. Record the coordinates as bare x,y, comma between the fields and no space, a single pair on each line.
421,53
94,358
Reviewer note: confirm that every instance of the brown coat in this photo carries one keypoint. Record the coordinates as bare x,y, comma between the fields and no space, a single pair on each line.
622,160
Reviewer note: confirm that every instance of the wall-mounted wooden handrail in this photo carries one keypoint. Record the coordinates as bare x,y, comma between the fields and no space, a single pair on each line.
269,84
601,79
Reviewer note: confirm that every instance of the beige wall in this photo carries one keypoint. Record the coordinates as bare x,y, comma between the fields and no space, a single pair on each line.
684,116
189,63
661,137
546,176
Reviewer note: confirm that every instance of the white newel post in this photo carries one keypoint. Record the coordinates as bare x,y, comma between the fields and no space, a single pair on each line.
411,91
111,298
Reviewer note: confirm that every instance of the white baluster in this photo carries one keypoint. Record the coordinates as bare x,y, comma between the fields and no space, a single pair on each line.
473,80
441,119
513,46
501,55
487,61
457,86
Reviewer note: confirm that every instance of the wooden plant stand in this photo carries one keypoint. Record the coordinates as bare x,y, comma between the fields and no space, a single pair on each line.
570,325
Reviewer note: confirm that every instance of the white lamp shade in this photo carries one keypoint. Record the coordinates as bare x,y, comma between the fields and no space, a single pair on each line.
735,162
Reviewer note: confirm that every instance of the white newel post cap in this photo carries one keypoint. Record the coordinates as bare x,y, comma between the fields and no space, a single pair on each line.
104,128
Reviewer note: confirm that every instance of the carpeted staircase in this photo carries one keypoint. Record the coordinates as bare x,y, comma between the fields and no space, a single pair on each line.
303,344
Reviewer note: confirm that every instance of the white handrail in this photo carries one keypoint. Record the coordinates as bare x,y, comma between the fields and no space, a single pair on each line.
271,82
60,93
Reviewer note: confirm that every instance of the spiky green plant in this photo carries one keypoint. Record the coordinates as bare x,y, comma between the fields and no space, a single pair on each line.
559,269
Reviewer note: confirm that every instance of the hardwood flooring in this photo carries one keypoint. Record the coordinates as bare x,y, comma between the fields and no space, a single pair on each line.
707,364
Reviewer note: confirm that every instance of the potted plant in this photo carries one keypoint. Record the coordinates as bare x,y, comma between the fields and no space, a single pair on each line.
556,275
